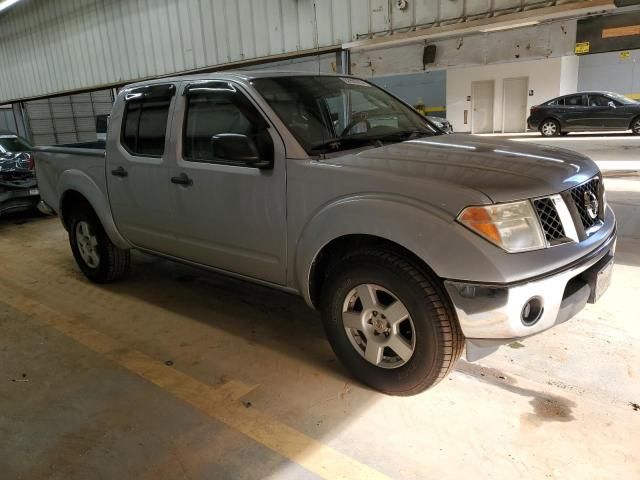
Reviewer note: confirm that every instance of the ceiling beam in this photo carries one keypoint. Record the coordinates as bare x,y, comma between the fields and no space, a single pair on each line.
506,21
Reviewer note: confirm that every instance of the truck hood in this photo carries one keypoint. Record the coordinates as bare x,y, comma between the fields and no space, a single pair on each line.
503,170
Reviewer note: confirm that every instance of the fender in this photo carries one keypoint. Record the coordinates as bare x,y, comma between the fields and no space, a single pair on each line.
418,227
85,185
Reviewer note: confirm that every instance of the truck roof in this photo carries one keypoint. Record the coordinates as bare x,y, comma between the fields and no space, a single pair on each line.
244,75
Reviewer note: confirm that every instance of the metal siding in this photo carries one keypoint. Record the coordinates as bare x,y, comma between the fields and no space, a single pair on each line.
67,119
54,47
610,71
7,120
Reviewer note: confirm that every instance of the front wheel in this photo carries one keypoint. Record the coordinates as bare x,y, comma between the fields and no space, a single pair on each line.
389,323
635,126
98,258
550,128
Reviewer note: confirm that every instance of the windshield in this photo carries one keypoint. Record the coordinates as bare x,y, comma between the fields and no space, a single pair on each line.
622,99
13,144
328,114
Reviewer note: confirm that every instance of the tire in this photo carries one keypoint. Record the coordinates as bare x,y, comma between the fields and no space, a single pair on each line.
109,262
436,339
635,126
550,128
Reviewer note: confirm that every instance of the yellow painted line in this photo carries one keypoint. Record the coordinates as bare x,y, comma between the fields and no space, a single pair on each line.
221,404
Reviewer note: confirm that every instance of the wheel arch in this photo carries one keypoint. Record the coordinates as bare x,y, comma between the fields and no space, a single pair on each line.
408,228
77,188
633,120
341,246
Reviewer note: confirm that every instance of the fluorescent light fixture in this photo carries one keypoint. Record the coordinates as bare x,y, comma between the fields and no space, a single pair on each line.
510,26
7,3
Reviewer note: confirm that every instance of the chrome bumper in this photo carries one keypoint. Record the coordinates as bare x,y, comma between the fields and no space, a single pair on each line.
491,315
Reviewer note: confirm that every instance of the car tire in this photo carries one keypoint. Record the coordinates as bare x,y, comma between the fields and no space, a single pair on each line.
635,126
429,338
550,128
98,258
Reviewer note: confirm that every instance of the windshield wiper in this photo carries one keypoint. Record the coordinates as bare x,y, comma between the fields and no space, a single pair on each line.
352,141
404,135
341,143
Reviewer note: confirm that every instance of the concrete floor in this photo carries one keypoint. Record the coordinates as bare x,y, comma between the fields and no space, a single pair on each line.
613,152
176,373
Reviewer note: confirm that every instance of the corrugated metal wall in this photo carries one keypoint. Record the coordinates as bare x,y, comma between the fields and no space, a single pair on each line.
67,119
51,47
614,71
7,120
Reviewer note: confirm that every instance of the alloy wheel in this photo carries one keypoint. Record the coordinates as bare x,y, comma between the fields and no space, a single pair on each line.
549,128
378,326
87,244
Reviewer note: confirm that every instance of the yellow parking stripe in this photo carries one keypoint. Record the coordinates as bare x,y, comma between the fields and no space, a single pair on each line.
220,403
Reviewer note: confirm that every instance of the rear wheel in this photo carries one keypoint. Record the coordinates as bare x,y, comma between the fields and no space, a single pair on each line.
635,126
98,258
550,128
389,322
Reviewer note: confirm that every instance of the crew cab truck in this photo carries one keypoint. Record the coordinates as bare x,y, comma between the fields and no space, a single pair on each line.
410,243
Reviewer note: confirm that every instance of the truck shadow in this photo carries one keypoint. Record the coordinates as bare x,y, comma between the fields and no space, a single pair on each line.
260,316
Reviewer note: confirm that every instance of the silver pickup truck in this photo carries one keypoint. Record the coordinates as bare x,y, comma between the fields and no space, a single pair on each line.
412,244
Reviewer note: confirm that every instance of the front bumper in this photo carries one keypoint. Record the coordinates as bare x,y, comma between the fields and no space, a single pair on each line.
491,315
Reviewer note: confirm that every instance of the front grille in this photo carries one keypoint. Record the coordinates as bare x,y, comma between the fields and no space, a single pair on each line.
550,220
583,197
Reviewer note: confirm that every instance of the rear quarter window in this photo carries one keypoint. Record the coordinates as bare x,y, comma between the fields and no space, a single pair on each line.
144,125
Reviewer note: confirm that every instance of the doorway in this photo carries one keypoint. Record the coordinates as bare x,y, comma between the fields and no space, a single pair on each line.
482,106
514,104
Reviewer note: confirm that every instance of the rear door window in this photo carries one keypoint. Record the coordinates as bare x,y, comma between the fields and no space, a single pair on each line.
574,101
146,115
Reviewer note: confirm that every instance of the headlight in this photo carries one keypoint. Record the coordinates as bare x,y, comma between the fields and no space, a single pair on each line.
513,227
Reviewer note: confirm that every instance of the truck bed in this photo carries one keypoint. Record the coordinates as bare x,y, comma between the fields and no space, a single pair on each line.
56,164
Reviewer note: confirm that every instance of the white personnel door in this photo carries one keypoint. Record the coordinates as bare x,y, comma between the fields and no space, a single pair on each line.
482,106
514,105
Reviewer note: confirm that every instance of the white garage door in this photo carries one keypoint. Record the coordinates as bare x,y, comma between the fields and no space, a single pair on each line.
67,119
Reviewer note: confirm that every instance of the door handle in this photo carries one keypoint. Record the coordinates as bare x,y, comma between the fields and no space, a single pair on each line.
182,179
119,172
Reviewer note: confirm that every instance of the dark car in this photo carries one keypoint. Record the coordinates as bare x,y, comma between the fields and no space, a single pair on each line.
18,187
586,111
440,122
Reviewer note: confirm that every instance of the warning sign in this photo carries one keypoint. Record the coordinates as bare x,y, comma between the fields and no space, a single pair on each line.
582,47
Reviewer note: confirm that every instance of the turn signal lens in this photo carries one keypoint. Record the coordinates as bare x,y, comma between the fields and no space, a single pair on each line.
513,227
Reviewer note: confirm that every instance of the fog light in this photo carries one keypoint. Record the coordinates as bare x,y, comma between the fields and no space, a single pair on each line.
532,311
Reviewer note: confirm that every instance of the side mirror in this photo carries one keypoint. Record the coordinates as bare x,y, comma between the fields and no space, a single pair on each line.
238,148
611,105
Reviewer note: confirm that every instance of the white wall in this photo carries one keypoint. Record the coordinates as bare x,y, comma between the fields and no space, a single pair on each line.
548,78
569,74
